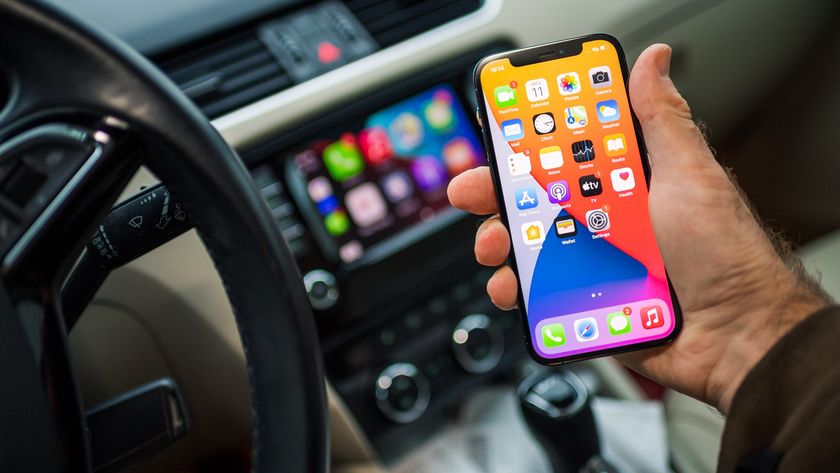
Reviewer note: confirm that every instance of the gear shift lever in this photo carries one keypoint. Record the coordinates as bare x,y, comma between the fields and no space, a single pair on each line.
556,408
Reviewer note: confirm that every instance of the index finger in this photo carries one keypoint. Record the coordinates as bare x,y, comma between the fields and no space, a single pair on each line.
473,191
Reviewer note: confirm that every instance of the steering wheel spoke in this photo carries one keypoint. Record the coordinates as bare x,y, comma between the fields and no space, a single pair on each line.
56,180
61,169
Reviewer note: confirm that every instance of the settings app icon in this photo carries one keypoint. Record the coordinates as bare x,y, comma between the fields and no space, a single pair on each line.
597,220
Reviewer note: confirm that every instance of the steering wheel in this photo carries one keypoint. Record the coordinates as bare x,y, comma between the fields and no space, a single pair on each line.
82,112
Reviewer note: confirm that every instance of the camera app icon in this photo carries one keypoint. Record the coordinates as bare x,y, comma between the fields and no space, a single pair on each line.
600,76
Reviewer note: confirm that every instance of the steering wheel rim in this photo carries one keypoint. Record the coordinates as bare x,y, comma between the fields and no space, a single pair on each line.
60,68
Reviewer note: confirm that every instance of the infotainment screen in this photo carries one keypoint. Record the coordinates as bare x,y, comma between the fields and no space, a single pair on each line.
369,184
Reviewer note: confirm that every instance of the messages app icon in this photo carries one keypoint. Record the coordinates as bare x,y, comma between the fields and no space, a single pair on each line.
553,335
618,323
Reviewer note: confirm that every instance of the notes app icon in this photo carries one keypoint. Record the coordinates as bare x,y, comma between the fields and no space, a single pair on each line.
615,145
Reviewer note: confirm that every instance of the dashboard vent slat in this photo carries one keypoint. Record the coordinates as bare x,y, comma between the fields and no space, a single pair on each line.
392,21
227,74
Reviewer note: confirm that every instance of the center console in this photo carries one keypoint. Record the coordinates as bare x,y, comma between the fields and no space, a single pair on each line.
360,195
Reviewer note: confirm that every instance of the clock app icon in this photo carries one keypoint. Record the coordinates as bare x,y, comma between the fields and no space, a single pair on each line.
544,123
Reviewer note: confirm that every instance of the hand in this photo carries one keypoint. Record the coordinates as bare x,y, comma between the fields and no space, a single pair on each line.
738,296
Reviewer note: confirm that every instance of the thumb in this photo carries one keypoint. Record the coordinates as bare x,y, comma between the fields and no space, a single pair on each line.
672,138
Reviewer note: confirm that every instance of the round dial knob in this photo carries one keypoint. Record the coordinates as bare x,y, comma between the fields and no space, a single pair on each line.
402,392
478,343
322,289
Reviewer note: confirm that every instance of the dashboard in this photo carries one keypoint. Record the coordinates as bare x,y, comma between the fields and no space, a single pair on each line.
352,147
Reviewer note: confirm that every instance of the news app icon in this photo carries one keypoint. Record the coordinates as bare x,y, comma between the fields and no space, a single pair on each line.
558,192
512,129
652,317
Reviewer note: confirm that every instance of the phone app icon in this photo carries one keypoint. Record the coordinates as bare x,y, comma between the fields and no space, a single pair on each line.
519,164
375,145
583,151
597,220
590,185
607,111
615,145
622,179
533,233
551,157
600,76
553,335
565,227
428,172
618,323
558,191
586,330
525,198
505,96
568,83
512,129
343,159
544,123
652,317
537,89
365,204
337,223
575,117
397,186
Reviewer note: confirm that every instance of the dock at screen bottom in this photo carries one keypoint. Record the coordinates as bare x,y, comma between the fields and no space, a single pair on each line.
604,328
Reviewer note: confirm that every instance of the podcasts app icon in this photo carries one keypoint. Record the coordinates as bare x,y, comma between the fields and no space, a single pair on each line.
558,191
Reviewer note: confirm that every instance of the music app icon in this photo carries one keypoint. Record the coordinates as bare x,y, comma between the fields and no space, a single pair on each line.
652,317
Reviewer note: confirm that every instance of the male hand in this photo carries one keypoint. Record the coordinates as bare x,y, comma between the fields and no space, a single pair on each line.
738,296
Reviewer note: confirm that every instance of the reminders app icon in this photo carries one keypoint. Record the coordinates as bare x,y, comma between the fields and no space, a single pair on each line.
512,129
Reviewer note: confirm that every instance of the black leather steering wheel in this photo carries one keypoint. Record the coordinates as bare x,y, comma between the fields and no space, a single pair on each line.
83,111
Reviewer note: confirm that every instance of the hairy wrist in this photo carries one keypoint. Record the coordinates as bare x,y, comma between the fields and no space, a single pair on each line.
768,315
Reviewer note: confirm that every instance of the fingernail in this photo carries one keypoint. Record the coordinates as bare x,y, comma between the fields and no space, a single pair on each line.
663,65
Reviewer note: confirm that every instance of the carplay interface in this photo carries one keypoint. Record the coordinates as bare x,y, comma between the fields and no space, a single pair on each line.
391,174
575,195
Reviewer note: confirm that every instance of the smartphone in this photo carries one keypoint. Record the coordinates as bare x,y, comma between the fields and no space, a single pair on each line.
571,176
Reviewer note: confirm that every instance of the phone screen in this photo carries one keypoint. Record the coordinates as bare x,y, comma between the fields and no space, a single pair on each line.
573,188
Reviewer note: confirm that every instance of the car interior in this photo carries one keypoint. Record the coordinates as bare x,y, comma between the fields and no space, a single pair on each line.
215,267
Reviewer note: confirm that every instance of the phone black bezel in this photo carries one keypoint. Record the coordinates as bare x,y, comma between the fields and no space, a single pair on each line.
549,52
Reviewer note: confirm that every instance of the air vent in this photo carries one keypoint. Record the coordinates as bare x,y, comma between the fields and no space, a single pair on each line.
228,74
391,21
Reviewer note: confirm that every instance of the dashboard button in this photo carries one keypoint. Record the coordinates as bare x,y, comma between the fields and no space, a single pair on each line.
322,289
478,344
402,392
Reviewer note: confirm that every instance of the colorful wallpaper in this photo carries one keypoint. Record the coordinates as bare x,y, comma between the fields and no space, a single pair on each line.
575,194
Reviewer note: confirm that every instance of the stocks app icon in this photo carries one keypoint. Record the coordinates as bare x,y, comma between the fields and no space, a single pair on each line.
558,191
583,151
